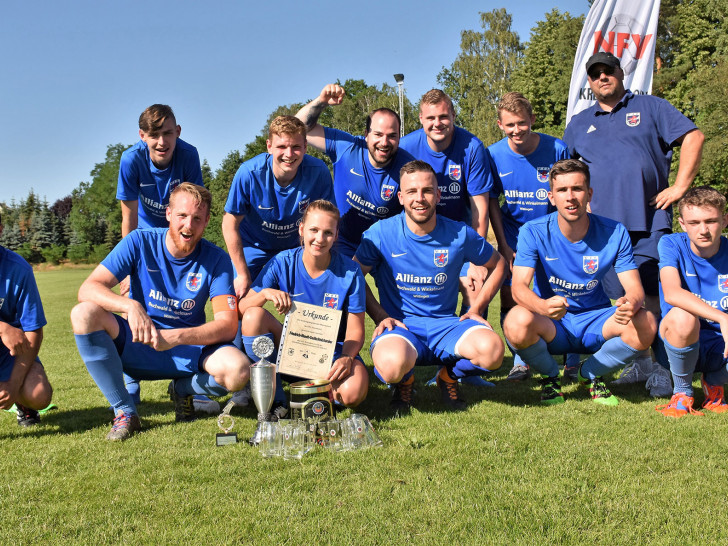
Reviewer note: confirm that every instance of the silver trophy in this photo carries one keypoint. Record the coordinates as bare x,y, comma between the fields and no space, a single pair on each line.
262,383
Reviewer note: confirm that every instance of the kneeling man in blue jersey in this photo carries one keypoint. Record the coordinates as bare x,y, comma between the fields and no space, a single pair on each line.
574,249
23,380
173,273
416,258
694,300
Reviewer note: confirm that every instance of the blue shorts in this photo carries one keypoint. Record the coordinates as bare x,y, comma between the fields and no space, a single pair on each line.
580,332
143,362
7,363
256,259
644,248
433,338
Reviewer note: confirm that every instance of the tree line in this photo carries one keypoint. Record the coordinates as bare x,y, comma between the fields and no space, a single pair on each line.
691,71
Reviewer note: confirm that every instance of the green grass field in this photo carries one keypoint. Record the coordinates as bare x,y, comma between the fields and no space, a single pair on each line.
505,471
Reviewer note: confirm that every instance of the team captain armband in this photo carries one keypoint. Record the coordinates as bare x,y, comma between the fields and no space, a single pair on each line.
224,303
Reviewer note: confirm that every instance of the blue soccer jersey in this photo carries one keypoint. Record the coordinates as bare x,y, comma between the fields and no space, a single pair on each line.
418,275
628,151
140,180
364,194
20,304
340,287
706,279
463,170
575,270
172,290
272,212
523,180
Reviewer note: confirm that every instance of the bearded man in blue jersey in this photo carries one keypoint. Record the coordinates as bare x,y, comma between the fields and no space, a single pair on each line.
173,272
694,300
572,250
416,258
366,169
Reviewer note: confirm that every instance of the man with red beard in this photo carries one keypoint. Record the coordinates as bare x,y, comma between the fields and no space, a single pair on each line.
173,272
366,169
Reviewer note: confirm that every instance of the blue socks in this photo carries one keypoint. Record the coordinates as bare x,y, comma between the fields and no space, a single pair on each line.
682,366
538,357
280,395
200,383
99,353
614,354
465,368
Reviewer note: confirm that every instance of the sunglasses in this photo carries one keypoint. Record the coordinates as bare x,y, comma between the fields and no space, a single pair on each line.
594,73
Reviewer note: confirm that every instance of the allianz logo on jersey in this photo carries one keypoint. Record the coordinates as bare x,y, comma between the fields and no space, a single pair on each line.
186,305
540,194
359,200
723,304
453,188
567,285
438,279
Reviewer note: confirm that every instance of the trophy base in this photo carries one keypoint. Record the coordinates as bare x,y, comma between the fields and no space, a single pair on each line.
256,437
226,439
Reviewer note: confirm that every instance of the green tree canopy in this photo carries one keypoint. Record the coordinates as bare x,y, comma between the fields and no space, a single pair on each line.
481,73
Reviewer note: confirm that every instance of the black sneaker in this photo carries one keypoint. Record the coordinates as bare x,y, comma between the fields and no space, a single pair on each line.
450,393
125,425
184,408
402,396
551,391
27,417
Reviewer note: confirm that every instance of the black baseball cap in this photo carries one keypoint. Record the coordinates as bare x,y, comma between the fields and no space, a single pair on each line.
603,58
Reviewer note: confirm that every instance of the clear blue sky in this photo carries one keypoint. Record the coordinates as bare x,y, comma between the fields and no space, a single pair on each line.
77,74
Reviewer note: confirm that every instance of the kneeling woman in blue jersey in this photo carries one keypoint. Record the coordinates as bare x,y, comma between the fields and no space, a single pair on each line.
313,274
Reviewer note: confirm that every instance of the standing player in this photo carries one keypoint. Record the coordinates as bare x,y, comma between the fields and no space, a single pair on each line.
173,272
574,249
522,161
268,197
23,380
148,172
416,259
314,273
366,169
627,141
694,299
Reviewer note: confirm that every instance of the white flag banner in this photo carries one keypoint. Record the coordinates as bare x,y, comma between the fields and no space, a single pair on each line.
627,30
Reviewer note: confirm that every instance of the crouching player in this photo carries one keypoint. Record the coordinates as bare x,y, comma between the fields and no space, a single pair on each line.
416,259
173,272
575,249
23,381
315,274
694,300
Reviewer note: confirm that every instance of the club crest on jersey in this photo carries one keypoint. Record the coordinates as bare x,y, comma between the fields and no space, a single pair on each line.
591,264
542,174
232,304
303,205
331,301
454,172
194,281
387,191
441,258
633,119
723,283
